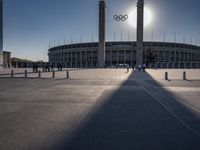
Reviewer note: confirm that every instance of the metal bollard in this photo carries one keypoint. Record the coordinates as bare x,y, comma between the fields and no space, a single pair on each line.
166,75
39,74
25,74
12,73
53,74
184,75
67,75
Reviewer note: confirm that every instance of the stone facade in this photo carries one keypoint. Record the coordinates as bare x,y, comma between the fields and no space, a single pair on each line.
140,28
92,55
102,28
167,55
7,59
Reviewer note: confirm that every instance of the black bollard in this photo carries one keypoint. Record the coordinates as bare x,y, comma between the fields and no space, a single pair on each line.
25,74
166,75
12,73
39,74
67,75
53,75
184,75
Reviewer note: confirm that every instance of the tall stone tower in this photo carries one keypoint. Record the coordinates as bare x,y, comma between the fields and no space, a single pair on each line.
140,27
1,35
102,31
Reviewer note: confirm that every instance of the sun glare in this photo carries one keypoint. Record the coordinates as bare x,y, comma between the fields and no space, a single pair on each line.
148,17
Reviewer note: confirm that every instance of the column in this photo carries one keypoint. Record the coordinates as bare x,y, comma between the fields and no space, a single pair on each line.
76,59
131,58
71,60
124,57
102,31
81,59
117,57
140,26
86,52
110,57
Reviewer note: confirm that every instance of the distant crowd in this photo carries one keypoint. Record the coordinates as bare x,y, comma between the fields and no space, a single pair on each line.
140,67
47,67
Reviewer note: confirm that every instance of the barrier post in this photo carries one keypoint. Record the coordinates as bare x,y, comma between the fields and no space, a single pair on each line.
166,75
53,74
25,73
67,75
184,75
12,73
39,74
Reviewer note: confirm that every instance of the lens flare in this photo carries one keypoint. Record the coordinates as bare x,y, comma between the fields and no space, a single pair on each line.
148,17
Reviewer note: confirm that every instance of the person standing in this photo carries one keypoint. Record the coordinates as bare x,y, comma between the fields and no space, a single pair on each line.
127,67
144,67
33,64
43,67
139,67
36,67
58,66
52,67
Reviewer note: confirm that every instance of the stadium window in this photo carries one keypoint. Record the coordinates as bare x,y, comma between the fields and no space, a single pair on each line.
95,45
160,44
154,45
134,43
148,44
89,45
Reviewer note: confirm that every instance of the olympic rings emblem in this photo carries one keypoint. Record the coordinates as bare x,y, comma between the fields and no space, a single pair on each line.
120,17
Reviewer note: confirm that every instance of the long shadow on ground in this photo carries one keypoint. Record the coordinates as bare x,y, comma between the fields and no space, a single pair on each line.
136,116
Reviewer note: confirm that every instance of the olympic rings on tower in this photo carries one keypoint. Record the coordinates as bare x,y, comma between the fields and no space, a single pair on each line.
120,17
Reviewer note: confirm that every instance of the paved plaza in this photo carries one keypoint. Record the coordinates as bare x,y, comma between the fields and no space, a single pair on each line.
100,109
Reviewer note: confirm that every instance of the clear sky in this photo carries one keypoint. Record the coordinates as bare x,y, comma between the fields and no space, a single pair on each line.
31,25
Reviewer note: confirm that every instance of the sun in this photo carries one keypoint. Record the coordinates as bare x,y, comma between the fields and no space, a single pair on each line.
148,17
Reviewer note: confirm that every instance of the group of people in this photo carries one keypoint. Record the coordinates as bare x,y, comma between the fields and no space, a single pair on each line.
47,67
35,67
50,67
139,67
143,66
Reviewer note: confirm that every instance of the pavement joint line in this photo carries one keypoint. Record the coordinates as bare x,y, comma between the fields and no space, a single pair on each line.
171,112
183,89
184,103
166,88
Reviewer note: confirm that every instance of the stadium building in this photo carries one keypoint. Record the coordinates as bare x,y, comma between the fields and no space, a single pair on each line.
156,55
114,54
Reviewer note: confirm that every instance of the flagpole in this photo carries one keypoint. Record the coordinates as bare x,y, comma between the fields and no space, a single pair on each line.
92,37
81,39
175,37
164,37
128,36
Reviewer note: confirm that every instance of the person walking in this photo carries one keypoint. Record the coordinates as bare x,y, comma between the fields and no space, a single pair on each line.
33,65
52,67
127,67
48,66
58,66
144,67
61,66
36,67
139,67
43,67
